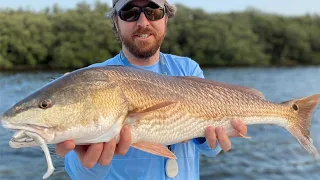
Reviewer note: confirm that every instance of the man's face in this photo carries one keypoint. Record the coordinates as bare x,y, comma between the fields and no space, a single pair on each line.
142,38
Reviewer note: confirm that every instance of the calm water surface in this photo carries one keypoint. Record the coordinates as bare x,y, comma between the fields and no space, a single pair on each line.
272,153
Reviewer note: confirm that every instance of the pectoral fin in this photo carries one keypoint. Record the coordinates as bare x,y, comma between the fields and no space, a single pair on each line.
134,116
154,148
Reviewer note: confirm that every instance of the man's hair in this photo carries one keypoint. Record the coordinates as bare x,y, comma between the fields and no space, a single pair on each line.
169,9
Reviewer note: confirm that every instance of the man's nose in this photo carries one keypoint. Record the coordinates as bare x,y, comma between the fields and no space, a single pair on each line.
143,21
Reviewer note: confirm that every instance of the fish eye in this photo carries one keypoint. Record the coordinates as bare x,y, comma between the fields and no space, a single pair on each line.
295,107
47,103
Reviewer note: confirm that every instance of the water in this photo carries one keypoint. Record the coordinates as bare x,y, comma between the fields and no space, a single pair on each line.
272,153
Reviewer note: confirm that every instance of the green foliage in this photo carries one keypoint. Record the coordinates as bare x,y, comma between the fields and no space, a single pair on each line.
75,38
25,38
83,36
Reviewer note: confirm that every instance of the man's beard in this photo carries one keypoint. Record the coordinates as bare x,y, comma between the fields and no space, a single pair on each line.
143,50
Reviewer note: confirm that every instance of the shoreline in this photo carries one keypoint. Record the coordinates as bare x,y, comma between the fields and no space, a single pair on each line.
46,68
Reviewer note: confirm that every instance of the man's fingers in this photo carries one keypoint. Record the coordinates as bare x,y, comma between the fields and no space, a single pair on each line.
240,129
63,148
108,152
125,141
89,157
211,137
223,139
102,153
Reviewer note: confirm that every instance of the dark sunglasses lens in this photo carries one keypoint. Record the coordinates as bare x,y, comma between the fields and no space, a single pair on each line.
154,14
130,15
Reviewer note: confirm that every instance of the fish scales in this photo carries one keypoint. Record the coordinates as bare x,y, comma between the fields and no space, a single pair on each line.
91,105
145,92
239,105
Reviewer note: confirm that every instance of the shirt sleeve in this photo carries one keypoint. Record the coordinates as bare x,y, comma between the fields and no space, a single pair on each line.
201,143
77,171
195,70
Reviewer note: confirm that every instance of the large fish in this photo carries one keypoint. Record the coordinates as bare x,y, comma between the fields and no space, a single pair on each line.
91,105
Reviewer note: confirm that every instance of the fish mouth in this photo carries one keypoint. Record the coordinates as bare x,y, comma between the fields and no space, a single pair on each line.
27,135
20,137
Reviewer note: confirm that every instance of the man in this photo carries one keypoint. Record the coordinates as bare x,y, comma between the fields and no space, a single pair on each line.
141,27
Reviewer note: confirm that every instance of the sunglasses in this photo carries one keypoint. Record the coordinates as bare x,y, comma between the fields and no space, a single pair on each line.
131,13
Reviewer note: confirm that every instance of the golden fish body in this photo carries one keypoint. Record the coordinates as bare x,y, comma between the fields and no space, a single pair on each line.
92,104
194,104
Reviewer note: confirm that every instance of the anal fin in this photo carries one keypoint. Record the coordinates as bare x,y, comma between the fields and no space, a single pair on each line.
154,148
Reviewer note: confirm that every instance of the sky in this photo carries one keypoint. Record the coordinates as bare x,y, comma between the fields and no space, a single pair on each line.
284,7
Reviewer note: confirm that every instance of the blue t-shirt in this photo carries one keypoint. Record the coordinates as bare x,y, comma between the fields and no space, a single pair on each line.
139,165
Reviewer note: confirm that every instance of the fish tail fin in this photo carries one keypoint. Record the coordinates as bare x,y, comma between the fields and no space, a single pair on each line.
300,128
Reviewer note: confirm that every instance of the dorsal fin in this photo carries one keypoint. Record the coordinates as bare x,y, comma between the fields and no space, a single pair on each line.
229,86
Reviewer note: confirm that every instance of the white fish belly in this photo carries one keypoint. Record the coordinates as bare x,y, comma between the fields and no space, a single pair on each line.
179,130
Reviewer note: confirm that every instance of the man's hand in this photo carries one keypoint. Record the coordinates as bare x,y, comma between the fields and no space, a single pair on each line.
212,134
101,153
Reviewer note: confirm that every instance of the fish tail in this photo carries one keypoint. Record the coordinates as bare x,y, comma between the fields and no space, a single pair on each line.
300,127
